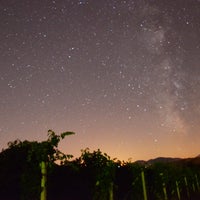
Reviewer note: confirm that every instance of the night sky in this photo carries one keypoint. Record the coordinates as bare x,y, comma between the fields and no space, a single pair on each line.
123,75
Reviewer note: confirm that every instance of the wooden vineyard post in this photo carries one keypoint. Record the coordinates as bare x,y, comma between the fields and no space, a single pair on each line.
187,189
164,187
197,181
165,191
144,186
178,191
111,191
43,195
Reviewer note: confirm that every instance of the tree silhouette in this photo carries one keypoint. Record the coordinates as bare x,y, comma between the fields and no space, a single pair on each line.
29,161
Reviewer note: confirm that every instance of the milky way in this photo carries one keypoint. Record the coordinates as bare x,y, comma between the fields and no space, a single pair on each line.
123,75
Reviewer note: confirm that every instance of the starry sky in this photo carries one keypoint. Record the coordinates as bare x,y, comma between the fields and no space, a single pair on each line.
124,75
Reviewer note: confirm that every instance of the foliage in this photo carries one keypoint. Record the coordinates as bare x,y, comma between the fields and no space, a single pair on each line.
101,169
94,175
22,160
48,150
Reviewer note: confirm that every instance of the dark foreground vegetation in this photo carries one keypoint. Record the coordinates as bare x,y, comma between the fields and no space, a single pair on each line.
93,176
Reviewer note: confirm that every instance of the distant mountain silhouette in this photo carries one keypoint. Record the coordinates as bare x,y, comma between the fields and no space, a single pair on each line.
192,161
195,160
163,160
